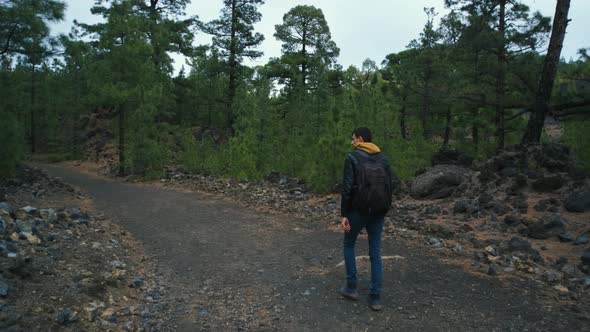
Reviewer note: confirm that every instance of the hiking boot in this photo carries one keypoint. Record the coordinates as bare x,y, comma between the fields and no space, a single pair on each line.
349,293
375,302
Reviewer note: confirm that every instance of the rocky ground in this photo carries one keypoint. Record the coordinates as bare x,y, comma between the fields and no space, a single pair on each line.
524,213
64,265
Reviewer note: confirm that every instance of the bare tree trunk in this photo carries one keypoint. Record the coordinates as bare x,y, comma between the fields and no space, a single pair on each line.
121,141
501,77
233,68
33,115
304,57
426,105
537,119
402,120
447,127
475,130
155,38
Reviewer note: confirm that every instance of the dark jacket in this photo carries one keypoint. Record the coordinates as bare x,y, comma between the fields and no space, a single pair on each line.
348,181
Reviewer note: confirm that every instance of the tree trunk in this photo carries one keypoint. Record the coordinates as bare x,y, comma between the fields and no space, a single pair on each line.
33,115
304,58
426,105
447,127
475,131
155,38
541,106
233,70
501,77
121,141
402,120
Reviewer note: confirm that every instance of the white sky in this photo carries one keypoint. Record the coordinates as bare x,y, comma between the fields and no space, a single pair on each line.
361,29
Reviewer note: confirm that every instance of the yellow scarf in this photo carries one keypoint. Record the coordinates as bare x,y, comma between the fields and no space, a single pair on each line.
369,148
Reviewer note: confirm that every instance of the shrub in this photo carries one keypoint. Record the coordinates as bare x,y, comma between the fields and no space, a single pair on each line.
11,146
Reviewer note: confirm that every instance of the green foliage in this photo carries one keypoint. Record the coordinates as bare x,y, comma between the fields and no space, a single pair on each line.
307,46
576,136
294,114
23,25
407,157
11,148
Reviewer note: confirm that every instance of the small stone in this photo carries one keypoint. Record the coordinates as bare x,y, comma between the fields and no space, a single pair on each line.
31,238
582,239
437,243
203,312
493,269
118,264
118,274
24,226
468,227
108,314
6,207
565,237
48,214
458,248
586,257
129,326
491,250
92,310
26,212
511,220
137,282
3,289
561,289
553,276
578,201
75,213
66,316
570,270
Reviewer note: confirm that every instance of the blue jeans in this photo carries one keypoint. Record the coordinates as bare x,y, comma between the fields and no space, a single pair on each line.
374,226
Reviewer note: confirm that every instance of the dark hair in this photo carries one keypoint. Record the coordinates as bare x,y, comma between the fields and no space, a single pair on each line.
363,132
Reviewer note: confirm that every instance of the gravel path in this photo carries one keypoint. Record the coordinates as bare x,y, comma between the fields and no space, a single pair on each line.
222,266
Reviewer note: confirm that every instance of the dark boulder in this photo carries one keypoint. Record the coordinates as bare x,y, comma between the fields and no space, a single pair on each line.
7,207
519,244
578,201
519,203
554,157
550,226
565,237
582,239
438,182
547,205
586,257
465,206
548,183
512,220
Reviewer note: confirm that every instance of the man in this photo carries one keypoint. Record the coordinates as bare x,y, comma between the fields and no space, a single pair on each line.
366,197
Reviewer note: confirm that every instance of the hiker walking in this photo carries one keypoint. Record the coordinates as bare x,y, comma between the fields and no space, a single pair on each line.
366,197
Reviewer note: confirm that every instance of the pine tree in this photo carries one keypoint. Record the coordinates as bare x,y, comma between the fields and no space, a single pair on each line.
308,49
233,34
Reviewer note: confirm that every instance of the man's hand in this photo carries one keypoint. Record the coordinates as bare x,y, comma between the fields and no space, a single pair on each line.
345,224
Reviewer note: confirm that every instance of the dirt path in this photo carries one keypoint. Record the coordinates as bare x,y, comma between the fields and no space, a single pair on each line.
227,267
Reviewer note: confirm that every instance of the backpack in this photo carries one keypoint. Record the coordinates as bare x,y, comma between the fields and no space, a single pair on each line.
373,185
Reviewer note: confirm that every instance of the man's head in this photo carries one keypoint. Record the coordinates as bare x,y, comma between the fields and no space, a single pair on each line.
362,134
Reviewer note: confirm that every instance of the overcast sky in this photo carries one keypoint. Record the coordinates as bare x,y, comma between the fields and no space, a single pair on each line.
361,29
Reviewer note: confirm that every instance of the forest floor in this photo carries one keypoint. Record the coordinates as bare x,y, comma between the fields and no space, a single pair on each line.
211,262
